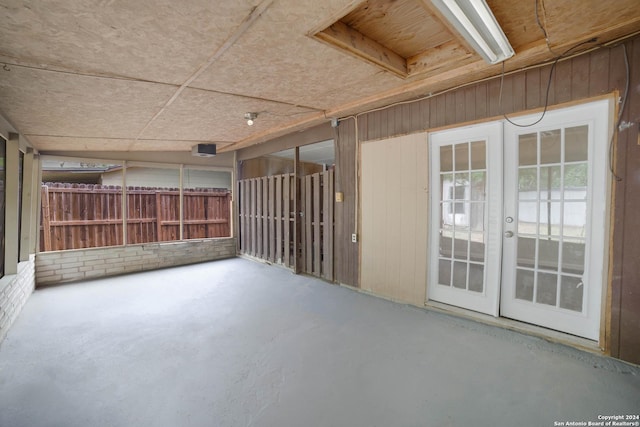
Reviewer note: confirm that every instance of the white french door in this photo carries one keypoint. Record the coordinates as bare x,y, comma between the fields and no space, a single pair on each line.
466,215
555,205
518,218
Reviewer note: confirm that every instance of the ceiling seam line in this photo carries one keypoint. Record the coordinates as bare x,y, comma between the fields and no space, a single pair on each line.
85,74
138,80
258,98
255,13
123,139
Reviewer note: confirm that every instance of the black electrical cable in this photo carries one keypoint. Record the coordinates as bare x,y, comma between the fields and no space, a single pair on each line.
540,23
546,99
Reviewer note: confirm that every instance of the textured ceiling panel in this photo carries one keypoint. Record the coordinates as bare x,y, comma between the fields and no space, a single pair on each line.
210,116
52,103
287,65
162,40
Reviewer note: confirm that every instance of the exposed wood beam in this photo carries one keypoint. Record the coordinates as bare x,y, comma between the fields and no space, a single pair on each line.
356,43
439,57
335,16
440,17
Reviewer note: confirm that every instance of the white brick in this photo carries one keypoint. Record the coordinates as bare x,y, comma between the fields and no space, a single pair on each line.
68,270
92,258
46,273
42,260
73,276
71,264
52,279
95,273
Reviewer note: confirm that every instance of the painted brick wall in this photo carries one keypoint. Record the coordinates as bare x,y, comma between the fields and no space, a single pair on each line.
74,265
14,292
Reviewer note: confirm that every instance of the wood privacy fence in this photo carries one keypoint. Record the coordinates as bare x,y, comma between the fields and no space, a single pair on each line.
267,221
76,216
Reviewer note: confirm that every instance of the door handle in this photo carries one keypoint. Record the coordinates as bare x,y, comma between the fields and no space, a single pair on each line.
508,234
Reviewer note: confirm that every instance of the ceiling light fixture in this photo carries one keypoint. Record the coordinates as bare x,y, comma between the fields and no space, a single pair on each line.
476,23
250,118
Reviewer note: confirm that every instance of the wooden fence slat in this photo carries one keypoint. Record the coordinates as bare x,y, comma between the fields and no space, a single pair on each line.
246,204
253,221
279,218
240,198
328,227
158,198
248,228
259,217
46,219
308,219
265,218
272,219
300,260
317,240
286,194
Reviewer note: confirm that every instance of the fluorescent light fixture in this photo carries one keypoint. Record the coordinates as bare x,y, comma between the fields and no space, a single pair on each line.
475,22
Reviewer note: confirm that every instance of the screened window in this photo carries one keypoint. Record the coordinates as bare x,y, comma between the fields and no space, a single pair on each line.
83,204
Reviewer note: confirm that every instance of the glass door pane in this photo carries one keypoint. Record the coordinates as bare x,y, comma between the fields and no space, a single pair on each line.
552,215
462,203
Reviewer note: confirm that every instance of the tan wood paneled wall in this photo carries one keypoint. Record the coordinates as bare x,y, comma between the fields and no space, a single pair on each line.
394,218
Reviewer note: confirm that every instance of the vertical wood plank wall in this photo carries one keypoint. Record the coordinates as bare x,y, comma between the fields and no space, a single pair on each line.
590,75
267,219
394,218
346,263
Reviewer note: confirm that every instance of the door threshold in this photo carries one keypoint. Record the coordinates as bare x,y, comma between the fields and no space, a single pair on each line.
513,325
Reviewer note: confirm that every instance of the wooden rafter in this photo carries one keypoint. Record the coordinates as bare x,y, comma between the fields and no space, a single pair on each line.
356,43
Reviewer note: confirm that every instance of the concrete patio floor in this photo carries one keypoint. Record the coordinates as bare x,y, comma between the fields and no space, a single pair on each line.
239,343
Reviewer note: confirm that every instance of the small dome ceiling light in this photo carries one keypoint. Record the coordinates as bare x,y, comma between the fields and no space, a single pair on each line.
250,118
